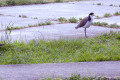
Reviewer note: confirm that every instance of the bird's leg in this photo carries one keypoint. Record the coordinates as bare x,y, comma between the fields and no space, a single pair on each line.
85,32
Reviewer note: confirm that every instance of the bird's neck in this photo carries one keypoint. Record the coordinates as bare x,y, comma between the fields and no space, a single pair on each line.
90,18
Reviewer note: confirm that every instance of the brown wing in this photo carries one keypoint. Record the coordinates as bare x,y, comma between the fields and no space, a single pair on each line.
82,23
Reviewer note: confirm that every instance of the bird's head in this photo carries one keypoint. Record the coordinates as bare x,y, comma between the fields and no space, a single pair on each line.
91,14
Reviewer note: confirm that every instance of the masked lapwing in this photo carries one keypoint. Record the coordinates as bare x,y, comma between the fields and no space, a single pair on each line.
86,22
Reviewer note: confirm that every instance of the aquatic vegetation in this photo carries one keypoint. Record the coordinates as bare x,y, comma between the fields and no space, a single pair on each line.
114,25
27,2
62,19
117,13
100,23
97,17
99,4
107,15
73,20
111,5
104,24
48,23
76,76
29,25
23,16
15,28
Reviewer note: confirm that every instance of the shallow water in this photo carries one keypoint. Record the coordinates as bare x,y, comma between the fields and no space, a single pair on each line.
54,11
104,2
110,20
58,31
16,21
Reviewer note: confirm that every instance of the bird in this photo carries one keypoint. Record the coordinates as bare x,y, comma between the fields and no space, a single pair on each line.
86,22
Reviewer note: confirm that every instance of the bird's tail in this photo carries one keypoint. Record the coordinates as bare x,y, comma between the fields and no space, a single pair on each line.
76,27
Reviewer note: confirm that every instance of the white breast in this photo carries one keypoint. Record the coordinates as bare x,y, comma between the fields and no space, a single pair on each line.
87,25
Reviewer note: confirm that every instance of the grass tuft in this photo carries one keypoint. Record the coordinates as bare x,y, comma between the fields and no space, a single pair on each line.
97,17
41,24
99,48
107,15
100,24
117,13
106,24
10,2
73,20
27,2
48,23
78,77
1,4
114,26
58,0
111,5
14,28
29,25
99,4
62,19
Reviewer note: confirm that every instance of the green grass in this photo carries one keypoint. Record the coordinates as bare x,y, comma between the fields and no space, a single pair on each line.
0,4
117,13
114,25
100,48
62,20
58,0
29,25
76,76
100,24
27,2
107,15
15,28
104,24
21,2
48,23
73,20
10,2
